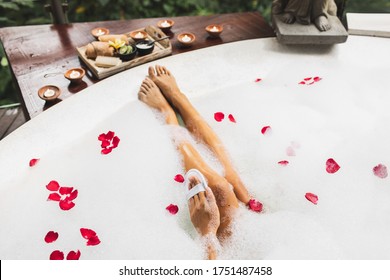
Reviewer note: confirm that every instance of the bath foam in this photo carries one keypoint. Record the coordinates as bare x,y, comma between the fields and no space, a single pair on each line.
123,195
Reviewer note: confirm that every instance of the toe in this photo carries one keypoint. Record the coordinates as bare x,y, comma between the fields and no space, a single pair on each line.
159,70
151,72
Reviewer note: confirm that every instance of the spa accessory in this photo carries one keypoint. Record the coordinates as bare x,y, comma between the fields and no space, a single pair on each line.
165,24
113,38
214,30
138,35
186,39
97,48
106,61
49,92
75,75
200,187
127,52
99,31
160,39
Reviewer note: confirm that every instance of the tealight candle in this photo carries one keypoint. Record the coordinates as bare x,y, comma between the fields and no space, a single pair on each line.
74,74
139,35
214,29
100,32
165,24
49,93
186,38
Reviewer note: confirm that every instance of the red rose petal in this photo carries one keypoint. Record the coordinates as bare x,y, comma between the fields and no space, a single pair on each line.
283,162
231,118
106,151
173,209
33,162
266,129
290,151
105,144
380,170
302,83
93,241
317,79
312,198
51,236
219,116
54,197
73,195
307,79
72,255
332,166
257,80
102,137
115,142
110,135
57,255
87,233
255,205
179,178
65,190
66,204
53,186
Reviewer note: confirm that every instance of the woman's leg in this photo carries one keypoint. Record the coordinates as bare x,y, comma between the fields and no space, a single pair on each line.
198,126
225,197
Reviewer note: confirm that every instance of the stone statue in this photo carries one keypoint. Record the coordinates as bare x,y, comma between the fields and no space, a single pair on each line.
305,12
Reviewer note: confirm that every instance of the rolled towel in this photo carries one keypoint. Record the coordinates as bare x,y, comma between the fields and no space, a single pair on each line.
97,48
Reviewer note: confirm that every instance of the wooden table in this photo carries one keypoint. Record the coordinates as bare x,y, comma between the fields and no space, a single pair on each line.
39,55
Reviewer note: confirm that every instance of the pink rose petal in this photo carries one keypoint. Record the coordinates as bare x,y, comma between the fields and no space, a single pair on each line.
219,116
312,198
173,209
307,79
65,190
53,186
231,118
93,241
66,204
54,197
266,129
57,255
87,233
317,79
283,162
302,83
51,236
290,151
380,171
33,162
255,205
179,178
332,166
258,80
72,255
115,142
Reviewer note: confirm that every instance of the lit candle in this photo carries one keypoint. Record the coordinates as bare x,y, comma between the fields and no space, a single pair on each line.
165,24
100,32
139,35
186,38
49,93
74,74
214,29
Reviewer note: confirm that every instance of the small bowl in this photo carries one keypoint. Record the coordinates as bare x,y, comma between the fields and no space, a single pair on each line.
75,75
99,31
165,24
143,47
186,38
129,56
49,92
214,30
138,35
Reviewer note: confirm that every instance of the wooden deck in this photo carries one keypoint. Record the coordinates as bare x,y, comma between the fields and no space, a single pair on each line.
10,119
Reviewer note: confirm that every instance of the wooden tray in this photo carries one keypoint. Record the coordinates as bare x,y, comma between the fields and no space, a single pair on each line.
161,49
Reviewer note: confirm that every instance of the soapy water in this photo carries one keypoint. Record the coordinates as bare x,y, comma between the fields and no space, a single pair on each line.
123,195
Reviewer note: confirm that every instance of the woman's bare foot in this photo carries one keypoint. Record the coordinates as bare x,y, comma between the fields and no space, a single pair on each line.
322,23
288,18
166,82
150,94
